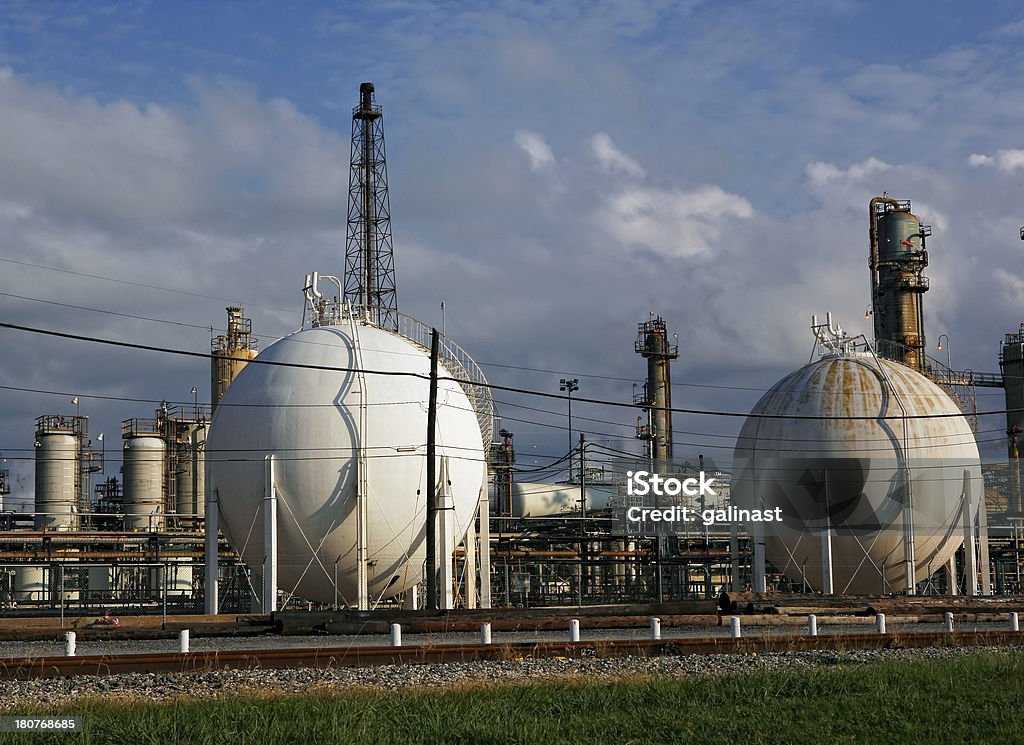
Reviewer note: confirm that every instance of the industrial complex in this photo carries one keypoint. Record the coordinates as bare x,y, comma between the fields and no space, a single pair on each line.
361,463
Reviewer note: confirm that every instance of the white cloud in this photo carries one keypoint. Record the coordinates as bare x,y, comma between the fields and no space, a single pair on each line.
1011,284
674,223
536,149
611,158
820,173
1004,160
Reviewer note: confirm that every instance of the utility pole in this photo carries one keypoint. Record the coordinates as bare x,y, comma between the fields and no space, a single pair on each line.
569,387
432,477
583,516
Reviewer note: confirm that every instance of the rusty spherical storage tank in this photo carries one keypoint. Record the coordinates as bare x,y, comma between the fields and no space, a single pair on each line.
869,450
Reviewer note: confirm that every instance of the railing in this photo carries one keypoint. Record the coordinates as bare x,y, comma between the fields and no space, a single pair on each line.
937,371
460,365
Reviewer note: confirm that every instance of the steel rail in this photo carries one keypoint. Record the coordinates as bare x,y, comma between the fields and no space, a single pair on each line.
326,657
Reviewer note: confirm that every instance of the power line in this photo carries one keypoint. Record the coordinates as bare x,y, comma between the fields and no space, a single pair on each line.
230,301
492,386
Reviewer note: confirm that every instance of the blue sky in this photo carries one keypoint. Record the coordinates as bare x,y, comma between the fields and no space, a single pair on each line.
557,171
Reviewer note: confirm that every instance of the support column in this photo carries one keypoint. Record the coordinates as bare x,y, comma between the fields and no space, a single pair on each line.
469,567
970,557
758,570
411,600
983,558
270,538
445,539
734,555
826,561
211,528
951,583
485,547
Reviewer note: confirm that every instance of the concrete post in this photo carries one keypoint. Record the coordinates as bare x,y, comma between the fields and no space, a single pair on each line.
574,630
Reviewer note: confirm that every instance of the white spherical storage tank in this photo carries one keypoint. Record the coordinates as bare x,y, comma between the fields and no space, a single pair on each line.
318,424
842,444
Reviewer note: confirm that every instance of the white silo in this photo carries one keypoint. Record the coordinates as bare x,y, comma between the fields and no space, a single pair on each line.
145,455
342,407
862,448
57,472
190,472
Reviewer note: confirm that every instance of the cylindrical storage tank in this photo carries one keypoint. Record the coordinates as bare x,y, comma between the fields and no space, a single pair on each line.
897,229
143,479
199,471
538,499
190,473
315,422
834,446
56,479
179,579
31,584
225,367
184,496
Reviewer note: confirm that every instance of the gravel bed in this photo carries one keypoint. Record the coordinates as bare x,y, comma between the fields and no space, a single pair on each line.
45,694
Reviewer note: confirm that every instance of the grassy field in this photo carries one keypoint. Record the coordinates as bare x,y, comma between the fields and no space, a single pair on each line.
974,699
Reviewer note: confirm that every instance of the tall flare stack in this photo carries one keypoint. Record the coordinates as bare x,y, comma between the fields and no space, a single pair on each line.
369,255
897,259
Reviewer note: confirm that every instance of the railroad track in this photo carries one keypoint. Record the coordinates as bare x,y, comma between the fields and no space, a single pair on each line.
320,657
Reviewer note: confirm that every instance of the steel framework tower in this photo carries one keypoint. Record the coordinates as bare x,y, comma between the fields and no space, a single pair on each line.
369,256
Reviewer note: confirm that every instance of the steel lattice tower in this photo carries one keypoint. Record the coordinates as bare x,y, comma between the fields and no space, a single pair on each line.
369,255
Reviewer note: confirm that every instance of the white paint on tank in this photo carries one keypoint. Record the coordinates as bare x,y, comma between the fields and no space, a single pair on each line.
309,420
538,499
773,465
144,465
56,471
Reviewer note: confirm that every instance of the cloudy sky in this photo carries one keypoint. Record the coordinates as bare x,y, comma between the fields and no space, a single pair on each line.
557,172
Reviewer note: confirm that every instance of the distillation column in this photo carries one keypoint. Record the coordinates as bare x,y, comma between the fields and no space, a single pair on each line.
1011,361
231,353
652,344
897,258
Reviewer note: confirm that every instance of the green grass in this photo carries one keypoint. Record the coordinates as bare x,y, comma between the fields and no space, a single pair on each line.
973,699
